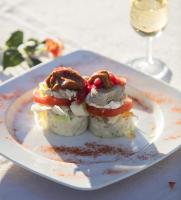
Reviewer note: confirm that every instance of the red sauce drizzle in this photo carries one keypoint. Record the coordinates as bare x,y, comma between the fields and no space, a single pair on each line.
89,149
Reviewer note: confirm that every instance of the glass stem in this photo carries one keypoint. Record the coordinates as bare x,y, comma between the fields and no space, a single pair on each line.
149,51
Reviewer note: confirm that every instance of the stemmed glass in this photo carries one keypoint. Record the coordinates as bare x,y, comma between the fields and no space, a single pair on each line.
149,18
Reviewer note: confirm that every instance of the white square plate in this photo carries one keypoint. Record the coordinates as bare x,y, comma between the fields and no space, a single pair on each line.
86,162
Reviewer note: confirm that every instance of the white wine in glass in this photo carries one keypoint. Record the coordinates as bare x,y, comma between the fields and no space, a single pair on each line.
149,18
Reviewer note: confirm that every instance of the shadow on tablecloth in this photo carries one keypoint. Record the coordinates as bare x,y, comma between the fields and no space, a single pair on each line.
152,183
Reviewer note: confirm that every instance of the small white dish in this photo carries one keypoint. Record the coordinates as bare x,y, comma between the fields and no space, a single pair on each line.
86,162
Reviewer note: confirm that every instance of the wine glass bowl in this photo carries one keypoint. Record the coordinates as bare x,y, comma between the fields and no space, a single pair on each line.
149,18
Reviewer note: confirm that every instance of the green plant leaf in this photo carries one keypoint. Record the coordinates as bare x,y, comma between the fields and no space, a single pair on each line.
12,57
34,40
31,46
32,61
15,39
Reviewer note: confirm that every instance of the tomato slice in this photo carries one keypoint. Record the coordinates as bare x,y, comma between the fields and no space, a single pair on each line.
104,112
50,100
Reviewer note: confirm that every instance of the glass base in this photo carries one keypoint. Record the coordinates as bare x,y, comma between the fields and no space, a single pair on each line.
157,68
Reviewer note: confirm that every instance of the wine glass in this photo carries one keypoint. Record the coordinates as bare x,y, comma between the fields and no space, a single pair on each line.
149,18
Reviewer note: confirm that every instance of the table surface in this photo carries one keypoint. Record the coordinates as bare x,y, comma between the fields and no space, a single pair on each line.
103,27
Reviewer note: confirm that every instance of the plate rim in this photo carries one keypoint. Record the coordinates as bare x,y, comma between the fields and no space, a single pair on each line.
115,180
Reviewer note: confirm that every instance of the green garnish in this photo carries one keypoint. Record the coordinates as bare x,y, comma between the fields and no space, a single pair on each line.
12,57
18,50
15,39
31,46
32,61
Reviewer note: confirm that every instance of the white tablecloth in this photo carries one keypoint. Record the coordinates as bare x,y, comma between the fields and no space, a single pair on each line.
101,26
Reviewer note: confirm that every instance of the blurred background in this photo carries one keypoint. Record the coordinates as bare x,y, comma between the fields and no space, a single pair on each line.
99,26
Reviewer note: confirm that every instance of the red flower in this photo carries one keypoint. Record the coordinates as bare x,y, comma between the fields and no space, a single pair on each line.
54,47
